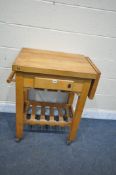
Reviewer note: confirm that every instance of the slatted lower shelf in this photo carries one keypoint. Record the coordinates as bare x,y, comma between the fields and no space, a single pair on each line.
43,113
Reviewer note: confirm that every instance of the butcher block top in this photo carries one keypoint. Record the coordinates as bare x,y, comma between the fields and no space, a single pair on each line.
56,63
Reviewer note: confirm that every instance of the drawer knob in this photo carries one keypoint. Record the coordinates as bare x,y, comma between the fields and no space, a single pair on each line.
69,85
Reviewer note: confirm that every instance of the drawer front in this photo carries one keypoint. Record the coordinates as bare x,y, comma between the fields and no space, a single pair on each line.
57,84
53,84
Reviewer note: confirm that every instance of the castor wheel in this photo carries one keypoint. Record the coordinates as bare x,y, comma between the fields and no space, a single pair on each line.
68,142
17,140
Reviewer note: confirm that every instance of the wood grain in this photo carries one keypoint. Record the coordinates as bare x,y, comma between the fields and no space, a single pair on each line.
54,71
19,106
78,111
54,63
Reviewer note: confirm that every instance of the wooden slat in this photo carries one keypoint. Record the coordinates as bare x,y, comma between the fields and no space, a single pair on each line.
60,114
51,113
45,122
42,113
26,95
48,104
71,113
26,101
67,112
70,98
33,112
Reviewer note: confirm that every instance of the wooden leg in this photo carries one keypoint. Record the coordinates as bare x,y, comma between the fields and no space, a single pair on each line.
19,106
26,95
26,98
70,98
78,111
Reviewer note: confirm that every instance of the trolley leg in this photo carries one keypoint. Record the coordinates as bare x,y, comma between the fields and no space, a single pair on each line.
19,106
78,111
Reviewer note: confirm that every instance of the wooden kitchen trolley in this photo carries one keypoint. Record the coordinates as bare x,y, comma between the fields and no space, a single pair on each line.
54,71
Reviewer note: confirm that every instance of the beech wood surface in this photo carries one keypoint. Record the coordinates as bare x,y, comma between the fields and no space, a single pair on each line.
72,73
57,64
